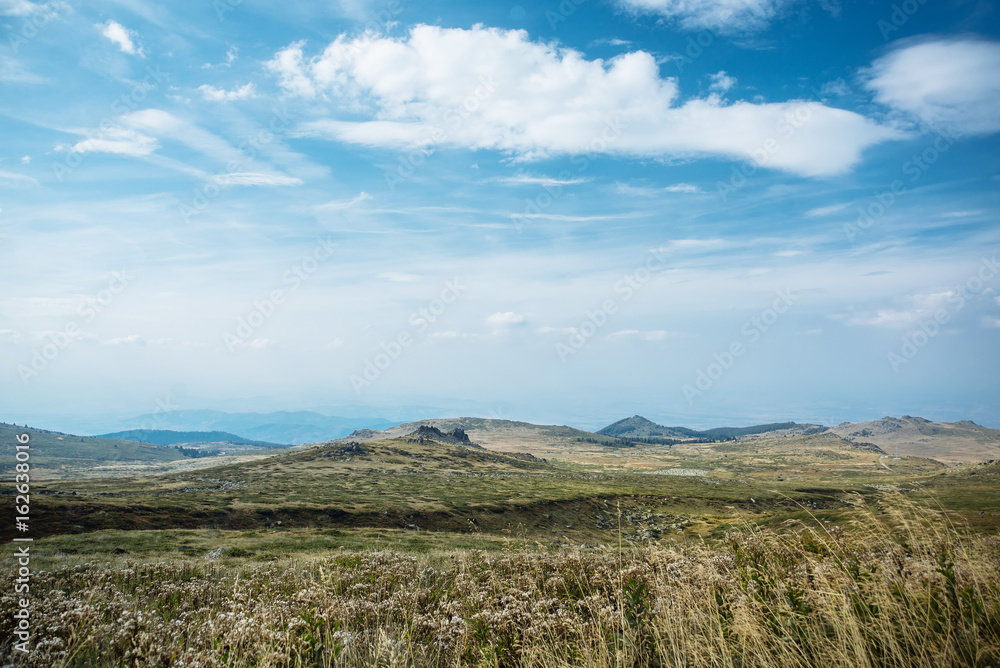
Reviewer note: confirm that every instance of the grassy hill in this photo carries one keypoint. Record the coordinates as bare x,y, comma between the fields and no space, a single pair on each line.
51,448
952,443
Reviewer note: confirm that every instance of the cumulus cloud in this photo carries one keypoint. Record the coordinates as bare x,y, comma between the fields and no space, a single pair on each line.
214,94
725,16
486,88
121,36
948,84
721,82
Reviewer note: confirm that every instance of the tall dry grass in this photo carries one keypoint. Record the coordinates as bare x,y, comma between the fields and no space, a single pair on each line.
900,589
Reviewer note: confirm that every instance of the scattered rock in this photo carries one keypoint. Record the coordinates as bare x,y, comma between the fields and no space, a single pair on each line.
217,552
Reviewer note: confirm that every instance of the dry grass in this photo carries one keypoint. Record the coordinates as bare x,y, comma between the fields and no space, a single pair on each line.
899,589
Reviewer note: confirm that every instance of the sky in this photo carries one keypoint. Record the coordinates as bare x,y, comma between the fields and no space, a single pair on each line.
707,212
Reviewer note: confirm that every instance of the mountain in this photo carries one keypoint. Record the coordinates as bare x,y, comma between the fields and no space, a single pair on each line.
498,435
638,427
283,427
168,437
951,443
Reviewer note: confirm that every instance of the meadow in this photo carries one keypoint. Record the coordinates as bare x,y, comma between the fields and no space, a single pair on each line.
793,551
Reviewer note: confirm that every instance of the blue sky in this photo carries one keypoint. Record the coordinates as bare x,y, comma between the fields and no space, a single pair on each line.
707,212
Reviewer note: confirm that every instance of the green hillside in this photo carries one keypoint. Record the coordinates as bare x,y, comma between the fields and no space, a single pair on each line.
50,449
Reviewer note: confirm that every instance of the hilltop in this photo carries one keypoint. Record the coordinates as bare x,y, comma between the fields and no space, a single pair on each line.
952,443
638,427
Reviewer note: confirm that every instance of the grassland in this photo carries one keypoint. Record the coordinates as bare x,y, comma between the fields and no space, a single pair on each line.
541,551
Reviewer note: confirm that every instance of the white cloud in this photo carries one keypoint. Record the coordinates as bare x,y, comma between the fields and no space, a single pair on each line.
725,16
9,336
949,84
118,140
289,65
691,245
26,8
504,319
486,88
25,159
221,95
721,82
788,253
826,210
256,179
13,179
121,36
683,188
344,204
919,306
644,191
130,340
962,214
528,180
990,322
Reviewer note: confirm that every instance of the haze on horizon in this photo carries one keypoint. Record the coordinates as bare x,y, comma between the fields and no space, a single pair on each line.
708,213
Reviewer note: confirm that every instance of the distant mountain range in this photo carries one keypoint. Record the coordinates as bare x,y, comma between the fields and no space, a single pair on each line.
639,428
168,437
59,453
283,427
